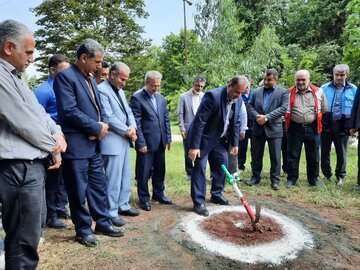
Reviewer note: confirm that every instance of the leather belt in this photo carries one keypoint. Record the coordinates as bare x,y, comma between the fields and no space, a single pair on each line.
303,125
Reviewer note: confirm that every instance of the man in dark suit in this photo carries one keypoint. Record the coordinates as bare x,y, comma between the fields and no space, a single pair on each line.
216,126
355,127
83,120
154,135
267,106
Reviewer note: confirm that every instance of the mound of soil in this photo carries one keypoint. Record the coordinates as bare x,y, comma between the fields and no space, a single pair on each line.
236,228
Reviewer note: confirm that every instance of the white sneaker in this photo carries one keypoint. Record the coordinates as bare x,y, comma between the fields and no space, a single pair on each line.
42,240
340,181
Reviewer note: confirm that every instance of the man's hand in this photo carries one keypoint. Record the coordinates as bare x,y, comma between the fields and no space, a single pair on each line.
169,145
61,144
143,150
352,132
261,119
57,159
104,130
242,136
131,132
183,135
234,151
193,154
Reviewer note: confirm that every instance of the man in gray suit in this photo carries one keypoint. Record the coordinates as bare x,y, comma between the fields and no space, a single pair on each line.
115,148
266,107
187,107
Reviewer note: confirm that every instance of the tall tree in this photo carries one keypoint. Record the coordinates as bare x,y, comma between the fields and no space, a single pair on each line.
352,37
258,14
177,75
223,39
65,23
311,22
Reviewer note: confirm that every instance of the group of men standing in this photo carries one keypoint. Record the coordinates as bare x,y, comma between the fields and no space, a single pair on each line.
312,117
99,128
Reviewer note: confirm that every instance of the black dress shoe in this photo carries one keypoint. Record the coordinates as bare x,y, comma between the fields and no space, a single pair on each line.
145,206
289,183
110,231
201,210
220,200
55,223
63,214
162,200
132,212
117,221
252,182
87,240
275,186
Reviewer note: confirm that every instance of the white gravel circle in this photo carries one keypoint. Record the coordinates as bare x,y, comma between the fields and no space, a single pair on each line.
295,239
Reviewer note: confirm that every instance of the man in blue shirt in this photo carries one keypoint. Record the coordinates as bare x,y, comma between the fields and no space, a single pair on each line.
266,107
56,197
340,95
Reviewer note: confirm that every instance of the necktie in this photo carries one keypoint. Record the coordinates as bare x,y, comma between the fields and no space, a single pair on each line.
92,92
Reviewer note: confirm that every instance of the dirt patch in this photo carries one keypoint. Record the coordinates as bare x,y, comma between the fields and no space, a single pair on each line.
150,241
236,228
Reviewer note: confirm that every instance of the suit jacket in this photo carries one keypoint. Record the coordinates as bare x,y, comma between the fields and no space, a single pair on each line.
77,112
185,110
153,126
355,112
119,120
208,124
277,107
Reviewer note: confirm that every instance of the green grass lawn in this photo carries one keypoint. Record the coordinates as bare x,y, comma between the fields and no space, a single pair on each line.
331,195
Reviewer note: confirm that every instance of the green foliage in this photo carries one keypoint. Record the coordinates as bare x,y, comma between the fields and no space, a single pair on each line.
139,65
223,40
264,53
352,37
258,14
64,24
32,81
311,22
176,72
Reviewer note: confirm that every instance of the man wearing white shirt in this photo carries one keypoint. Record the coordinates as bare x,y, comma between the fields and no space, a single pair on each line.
188,105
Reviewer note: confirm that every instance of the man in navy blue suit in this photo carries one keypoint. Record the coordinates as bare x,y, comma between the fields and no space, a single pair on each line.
217,124
84,122
154,136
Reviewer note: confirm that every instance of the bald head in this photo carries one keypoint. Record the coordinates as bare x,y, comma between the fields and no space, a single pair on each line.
302,80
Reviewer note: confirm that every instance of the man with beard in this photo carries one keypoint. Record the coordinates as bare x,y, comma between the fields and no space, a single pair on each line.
188,104
266,107
82,117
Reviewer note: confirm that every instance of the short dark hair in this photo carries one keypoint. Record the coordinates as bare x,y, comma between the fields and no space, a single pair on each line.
89,47
199,78
272,72
237,79
105,64
56,59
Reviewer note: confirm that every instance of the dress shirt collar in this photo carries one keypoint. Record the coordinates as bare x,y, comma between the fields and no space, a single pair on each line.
342,86
9,67
114,88
50,80
308,90
268,89
194,93
150,94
